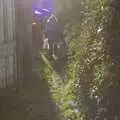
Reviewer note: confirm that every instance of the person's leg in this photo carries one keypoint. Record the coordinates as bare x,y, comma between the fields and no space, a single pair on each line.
50,47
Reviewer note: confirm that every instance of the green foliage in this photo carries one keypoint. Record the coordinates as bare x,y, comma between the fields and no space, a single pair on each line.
85,28
62,93
85,23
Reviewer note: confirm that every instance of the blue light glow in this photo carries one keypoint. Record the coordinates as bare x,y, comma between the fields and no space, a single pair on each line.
47,4
43,12
46,10
37,12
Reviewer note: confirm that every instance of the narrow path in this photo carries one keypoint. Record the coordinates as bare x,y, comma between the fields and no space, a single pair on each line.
33,102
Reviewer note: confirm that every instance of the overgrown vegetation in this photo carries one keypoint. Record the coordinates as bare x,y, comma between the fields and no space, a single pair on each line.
88,79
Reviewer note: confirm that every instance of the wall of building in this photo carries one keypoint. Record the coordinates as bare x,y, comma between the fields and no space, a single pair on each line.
7,43
15,40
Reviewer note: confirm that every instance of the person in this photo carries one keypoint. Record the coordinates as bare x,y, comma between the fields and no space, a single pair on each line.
54,34
52,30
45,42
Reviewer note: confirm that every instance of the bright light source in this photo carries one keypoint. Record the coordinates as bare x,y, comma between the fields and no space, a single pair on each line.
96,96
37,12
46,10
99,30
34,23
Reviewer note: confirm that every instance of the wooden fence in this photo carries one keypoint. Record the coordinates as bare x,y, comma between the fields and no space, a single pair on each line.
7,43
15,40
